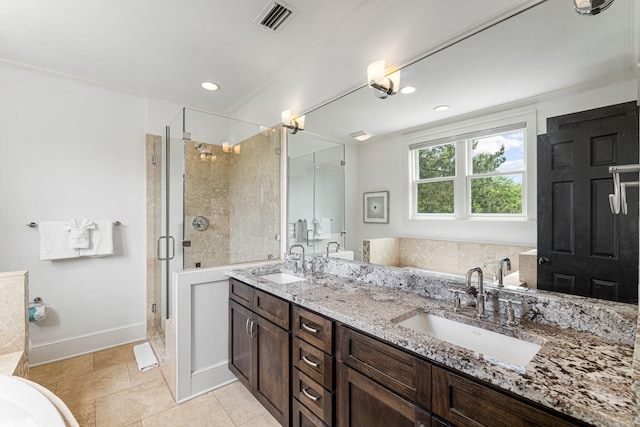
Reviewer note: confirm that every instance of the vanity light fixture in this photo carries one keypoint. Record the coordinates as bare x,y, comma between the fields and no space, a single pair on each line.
210,86
294,125
591,7
441,108
360,135
382,84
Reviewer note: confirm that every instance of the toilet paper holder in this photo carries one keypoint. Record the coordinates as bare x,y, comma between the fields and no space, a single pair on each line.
37,310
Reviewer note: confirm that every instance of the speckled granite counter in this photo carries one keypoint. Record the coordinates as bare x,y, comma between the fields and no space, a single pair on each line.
587,376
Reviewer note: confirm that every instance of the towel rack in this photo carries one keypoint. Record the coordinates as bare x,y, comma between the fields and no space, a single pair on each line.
618,200
33,224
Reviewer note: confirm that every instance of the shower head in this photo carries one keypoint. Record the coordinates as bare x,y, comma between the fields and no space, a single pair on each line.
202,148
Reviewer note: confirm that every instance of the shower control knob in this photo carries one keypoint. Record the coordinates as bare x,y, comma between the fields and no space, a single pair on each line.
200,223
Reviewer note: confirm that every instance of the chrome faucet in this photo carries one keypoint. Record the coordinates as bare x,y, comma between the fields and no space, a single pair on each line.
480,297
337,247
290,253
501,270
500,263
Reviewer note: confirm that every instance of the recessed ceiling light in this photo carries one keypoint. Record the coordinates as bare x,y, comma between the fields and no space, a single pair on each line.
441,108
360,135
407,90
210,86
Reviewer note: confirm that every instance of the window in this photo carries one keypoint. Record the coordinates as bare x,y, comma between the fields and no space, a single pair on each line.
477,174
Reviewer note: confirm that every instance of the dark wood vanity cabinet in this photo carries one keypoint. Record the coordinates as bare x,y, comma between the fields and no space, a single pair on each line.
466,403
363,382
313,369
259,342
380,385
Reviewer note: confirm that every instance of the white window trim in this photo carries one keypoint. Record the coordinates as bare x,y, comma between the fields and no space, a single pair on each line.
461,205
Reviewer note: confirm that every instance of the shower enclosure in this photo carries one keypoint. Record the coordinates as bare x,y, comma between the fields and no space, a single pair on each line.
316,192
214,199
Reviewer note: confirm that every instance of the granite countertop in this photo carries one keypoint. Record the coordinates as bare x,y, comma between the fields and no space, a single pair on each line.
586,376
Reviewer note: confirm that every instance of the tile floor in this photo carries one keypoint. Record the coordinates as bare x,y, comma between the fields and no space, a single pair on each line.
105,388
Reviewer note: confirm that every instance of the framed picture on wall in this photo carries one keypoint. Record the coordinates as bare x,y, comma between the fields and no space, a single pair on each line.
376,207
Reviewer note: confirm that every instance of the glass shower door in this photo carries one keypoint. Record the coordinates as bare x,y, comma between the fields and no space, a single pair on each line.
316,205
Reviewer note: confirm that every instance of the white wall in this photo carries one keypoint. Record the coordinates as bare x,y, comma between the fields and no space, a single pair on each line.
70,149
381,165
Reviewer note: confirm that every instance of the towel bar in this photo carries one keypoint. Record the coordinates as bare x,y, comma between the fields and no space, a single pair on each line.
35,224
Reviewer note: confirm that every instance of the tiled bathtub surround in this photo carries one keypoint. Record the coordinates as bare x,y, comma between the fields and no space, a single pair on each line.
14,327
585,375
439,255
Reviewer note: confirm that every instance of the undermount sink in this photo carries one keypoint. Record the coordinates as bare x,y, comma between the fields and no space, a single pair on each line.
282,278
491,345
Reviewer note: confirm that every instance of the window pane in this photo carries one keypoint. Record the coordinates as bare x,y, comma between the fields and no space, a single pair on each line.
435,197
498,153
437,162
497,195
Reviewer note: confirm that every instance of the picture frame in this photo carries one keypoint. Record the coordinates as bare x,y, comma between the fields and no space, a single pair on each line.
376,207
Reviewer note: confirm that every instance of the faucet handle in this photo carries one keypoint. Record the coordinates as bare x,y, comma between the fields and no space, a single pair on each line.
509,311
456,298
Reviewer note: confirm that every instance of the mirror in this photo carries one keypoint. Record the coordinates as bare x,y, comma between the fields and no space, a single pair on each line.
547,61
315,186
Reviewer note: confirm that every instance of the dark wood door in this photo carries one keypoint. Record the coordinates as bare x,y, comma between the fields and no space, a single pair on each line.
271,366
583,248
365,403
240,343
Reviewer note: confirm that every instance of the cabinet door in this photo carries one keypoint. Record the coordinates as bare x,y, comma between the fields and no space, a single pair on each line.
465,403
364,403
393,368
240,345
271,364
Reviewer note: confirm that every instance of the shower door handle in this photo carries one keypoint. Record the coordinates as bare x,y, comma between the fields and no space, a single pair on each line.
173,248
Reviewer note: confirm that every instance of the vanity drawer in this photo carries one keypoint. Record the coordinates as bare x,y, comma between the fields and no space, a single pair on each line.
241,292
303,417
313,362
313,328
313,396
271,308
395,369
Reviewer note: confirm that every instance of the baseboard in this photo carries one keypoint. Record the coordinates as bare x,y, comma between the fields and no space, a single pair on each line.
64,349
209,378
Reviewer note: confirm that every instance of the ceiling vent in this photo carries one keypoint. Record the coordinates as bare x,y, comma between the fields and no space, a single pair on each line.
274,15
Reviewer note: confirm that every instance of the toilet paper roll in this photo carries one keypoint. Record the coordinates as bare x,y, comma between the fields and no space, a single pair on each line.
37,312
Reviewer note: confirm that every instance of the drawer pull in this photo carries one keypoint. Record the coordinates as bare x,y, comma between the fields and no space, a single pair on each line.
246,327
310,329
309,362
310,396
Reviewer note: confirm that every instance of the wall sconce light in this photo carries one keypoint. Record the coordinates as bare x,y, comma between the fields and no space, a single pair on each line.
591,7
294,125
226,147
383,85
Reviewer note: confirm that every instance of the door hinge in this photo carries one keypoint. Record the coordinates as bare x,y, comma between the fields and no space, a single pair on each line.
186,136
154,308
154,159
278,151
342,163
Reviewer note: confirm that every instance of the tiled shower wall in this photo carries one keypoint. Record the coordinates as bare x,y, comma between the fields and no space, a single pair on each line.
239,193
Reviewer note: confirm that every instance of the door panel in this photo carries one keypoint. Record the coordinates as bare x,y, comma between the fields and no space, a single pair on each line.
240,349
591,251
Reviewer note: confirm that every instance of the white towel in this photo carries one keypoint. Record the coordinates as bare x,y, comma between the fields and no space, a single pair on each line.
54,241
79,232
101,240
144,357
